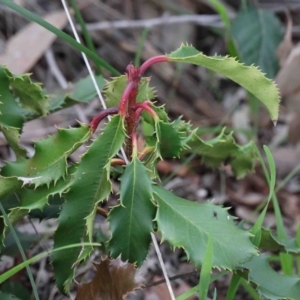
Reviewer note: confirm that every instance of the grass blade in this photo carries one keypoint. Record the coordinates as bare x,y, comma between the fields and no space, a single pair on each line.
27,262
11,228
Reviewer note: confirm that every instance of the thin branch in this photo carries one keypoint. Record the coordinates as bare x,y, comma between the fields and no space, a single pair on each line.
163,268
102,212
203,20
158,282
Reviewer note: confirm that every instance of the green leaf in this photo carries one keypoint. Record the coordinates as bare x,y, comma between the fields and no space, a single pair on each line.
30,94
5,296
8,186
224,149
11,116
189,225
18,290
168,139
131,221
249,78
49,161
83,92
257,41
114,89
271,242
12,136
91,184
35,198
270,284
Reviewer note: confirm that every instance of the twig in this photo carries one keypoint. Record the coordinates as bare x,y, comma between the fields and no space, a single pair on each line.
163,268
158,282
101,211
204,20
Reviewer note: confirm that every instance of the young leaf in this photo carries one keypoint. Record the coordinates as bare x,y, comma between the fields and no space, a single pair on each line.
270,284
49,161
188,225
249,78
223,148
257,41
11,116
91,184
114,90
83,92
131,221
30,94
168,139
113,281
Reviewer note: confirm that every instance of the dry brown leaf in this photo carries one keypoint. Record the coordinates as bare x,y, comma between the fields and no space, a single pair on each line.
28,45
114,280
288,77
289,85
286,45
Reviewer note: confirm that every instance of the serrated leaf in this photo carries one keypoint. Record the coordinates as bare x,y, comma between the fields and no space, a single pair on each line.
12,135
131,221
159,110
188,225
83,92
257,42
169,139
270,284
249,78
91,184
11,116
8,185
49,161
114,280
30,94
271,242
224,149
114,89
34,198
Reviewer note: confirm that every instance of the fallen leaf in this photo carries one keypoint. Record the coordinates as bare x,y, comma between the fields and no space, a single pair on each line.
114,280
288,77
28,45
286,45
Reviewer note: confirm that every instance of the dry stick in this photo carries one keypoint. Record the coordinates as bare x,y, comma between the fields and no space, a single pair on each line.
123,152
204,20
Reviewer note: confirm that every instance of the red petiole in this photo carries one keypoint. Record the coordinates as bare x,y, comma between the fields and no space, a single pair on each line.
129,109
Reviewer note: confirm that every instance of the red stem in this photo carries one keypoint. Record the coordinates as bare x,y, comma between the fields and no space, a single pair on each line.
151,61
103,114
144,106
125,97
